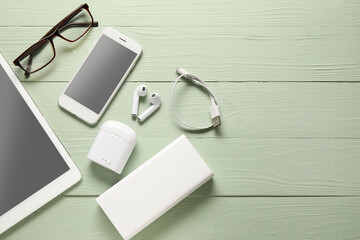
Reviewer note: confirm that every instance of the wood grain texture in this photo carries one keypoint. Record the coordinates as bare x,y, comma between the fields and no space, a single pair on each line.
287,77
261,110
225,54
188,13
204,218
243,167
237,151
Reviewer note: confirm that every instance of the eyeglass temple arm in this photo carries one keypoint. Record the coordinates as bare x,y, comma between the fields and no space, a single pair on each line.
84,24
65,20
28,66
94,24
69,17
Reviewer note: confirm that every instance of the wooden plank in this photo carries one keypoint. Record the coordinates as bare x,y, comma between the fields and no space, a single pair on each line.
244,167
260,110
215,54
188,13
245,152
277,139
203,218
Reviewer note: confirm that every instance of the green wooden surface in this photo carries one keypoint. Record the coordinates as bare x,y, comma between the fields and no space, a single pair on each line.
286,54
287,156
210,218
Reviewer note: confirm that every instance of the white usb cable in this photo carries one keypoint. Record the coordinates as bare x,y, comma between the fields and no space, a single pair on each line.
214,107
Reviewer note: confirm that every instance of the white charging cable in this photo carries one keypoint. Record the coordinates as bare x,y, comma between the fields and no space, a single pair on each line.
214,107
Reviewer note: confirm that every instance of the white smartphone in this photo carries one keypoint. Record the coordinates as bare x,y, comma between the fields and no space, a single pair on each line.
100,76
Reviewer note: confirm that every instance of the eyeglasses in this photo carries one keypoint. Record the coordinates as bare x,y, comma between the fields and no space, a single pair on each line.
71,28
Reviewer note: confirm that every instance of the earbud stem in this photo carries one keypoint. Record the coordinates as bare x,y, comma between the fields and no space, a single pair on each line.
135,105
148,112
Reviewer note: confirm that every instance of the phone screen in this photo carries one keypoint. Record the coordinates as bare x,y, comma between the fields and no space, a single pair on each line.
100,74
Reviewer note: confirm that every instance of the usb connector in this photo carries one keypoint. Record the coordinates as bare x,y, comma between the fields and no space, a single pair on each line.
215,114
216,121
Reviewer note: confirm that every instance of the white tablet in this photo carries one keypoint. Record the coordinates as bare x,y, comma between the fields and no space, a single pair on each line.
34,166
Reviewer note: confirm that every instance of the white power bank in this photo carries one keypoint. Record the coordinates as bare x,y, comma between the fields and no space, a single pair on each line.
154,187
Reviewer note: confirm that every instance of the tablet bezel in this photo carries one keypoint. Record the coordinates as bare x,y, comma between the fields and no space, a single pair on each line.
55,187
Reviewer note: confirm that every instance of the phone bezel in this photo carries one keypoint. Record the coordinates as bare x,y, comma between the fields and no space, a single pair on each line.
82,111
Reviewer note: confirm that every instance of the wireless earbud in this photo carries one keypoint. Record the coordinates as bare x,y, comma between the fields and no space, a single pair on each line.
139,91
155,104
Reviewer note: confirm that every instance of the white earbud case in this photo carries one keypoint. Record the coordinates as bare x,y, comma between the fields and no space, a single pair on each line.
113,146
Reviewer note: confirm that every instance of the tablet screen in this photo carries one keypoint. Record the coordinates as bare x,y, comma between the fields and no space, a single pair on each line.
28,158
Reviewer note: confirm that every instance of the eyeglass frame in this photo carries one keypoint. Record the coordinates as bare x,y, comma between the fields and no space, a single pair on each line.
49,36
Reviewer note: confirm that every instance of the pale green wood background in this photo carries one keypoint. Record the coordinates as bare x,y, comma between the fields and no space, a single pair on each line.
287,76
